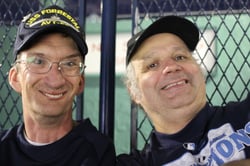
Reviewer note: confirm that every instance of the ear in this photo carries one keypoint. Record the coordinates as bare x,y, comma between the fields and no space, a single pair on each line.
14,79
81,85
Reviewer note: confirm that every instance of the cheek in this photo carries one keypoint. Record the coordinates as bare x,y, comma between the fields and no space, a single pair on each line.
147,84
200,74
198,78
151,79
196,71
26,83
78,85
26,80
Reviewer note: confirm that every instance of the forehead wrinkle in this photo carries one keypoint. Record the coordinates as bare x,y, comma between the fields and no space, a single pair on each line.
145,54
164,51
166,40
43,55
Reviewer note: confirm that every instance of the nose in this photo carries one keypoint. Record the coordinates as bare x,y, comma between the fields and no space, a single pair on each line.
56,69
171,66
54,77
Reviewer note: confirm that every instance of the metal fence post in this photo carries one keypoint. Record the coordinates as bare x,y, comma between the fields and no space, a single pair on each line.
80,98
107,78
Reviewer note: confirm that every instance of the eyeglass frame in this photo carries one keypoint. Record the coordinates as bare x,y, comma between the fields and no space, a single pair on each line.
26,61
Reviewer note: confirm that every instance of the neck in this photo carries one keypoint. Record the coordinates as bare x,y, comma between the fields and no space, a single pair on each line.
47,131
172,121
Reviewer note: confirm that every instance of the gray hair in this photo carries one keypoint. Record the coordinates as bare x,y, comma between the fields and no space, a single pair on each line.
130,80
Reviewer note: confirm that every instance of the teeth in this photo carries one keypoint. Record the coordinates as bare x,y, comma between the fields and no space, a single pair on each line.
174,84
54,96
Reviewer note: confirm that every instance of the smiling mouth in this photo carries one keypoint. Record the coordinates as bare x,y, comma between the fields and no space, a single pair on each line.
53,96
174,84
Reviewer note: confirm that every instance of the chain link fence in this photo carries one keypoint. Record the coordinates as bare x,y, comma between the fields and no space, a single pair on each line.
223,52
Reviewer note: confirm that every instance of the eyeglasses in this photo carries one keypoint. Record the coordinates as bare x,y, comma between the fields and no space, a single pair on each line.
39,65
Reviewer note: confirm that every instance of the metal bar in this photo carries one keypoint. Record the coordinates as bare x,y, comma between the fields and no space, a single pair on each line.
107,78
80,98
134,109
133,131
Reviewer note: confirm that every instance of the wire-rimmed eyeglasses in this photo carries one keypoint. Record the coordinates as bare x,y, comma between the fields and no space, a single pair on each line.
39,65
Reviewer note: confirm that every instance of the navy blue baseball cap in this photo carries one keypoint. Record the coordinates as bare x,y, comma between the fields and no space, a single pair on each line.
179,26
50,19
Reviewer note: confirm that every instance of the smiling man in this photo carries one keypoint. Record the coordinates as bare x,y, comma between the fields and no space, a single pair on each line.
165,80
48,73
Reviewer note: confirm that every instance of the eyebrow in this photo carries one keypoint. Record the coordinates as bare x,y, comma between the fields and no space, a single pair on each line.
148,55
43,55
35,54
151,54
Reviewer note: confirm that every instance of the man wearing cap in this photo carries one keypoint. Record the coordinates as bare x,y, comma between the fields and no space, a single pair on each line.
48,73
165,80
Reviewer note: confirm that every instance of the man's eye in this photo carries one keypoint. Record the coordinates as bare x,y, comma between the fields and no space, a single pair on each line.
153,65
69,63
180,58
36,60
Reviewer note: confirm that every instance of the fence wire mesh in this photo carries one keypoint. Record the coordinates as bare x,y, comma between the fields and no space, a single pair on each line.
225,35
223,51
